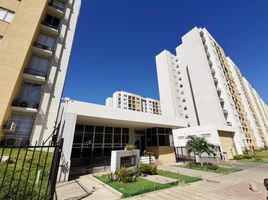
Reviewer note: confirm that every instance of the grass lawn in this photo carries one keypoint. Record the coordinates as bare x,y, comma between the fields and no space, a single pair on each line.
261,154
16,183
220,170
142,185
180,177
134,188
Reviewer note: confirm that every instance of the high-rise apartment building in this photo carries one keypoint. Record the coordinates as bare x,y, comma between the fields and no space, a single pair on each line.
36,38
129,101
203,85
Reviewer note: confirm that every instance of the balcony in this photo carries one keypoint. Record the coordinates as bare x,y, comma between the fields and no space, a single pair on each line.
213,71
216,81
33,75
229,123
208,55
219,91
206,47
42,50
55,10
49,29
203,40
25,105
210,63
225,111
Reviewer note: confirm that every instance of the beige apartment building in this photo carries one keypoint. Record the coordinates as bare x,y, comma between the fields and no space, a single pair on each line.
36,38
130,101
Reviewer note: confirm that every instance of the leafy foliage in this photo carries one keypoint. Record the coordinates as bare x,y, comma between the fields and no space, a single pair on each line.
199,145
150,169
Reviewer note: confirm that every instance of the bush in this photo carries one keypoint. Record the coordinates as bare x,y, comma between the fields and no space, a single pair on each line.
257,158
130,147
124,175
148,168
243,156
211,166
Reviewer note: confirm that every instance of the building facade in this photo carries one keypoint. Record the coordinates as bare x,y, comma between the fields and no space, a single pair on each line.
129,101
203,85
92,131
36,41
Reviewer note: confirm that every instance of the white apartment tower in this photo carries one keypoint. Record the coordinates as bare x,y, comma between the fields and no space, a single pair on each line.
205,87
129,101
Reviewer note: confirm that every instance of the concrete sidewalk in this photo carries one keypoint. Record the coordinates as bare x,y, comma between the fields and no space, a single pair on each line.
77,189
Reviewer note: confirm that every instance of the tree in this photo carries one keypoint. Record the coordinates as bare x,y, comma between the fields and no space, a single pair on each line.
199,145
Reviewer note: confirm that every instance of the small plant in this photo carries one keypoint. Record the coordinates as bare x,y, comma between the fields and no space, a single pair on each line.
148,168
211,166
111,177
125,175
130,147
243,156
257,158
147,153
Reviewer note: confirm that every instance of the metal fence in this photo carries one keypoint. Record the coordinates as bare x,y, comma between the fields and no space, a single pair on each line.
29,172
182,155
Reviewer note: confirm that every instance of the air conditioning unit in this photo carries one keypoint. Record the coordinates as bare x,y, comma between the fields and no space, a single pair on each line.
10,127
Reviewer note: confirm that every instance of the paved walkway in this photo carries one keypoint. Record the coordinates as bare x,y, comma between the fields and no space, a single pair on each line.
77,189
214,186
225,187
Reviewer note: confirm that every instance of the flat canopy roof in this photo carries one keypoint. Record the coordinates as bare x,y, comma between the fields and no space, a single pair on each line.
88,113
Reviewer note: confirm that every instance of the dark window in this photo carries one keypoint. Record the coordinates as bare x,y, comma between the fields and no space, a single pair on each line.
76,153
108,138
79,128
89,129
99,129
108,129
52,21
98,138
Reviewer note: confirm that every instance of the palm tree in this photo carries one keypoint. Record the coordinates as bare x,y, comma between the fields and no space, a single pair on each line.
199,145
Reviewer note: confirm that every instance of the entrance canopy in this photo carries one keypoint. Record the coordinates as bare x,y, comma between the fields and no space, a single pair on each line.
103,115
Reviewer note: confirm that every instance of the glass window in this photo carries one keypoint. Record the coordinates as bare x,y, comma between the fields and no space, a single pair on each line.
46,41
89,129
38,66
24,124
79,128
162,140
1,38
59,5
108,138
6,15
52,21
108,129
98,138
99,129
30,92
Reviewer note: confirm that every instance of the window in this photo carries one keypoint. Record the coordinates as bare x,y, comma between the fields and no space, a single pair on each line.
59,5
51,21
1,38
38,66
6,15
46,41
30,92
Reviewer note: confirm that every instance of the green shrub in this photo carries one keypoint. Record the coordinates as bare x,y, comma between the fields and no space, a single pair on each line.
130,147
211,166
125,175
243,156
257,158
148,168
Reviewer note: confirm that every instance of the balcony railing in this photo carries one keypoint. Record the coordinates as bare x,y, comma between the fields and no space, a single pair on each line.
49,25
26,103
42,46
35,72
56,6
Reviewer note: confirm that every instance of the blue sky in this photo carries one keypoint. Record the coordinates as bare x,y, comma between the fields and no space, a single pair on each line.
117,40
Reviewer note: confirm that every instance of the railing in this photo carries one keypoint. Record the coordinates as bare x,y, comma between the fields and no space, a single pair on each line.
35,72
49,25
26,103
42,46
56,6
29,172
